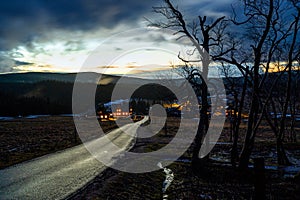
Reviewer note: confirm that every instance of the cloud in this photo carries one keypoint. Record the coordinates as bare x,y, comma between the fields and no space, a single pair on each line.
74,46
17,63
61,33
108,67
118,49
214,9
24,21
6,64
131,67
138,71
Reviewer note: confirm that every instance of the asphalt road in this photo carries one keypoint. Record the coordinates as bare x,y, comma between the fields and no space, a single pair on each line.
55,176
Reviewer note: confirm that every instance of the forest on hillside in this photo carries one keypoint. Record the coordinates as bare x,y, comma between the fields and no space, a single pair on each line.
55,97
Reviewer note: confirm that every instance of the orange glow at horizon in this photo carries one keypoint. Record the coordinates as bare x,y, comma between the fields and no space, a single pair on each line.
281,66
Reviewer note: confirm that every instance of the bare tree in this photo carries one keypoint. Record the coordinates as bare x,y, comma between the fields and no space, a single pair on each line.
294,103
206,37
270,30
260,38
237,87
280,127
268,37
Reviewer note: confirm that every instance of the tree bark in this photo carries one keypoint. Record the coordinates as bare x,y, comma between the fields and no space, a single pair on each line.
254,109
282,158
234,150
202,128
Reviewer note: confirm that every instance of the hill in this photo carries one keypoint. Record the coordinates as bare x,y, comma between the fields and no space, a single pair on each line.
51,93
34,77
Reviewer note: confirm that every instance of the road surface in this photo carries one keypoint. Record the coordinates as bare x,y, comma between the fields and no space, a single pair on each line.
55,176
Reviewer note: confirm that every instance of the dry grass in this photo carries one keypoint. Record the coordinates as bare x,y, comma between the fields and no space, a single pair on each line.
215,181
25,139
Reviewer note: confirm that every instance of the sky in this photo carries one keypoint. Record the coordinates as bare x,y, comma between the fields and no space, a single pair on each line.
105,36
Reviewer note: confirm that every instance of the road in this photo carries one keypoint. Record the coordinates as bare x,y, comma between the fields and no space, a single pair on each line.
55,176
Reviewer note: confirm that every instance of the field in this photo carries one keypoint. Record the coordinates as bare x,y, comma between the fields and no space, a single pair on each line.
24,139
217,180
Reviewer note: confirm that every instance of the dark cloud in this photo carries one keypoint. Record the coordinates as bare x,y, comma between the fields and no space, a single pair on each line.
192,8
15,54
108,67
74,46
118,49
131,67
31,23
157,38
6,64
22,21
17,63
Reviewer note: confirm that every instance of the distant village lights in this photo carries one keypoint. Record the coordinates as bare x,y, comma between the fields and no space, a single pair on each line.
114,115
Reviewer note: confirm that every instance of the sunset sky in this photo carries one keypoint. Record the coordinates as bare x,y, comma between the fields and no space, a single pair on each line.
61,35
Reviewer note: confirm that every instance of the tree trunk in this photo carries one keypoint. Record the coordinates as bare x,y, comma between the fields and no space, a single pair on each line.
259,179
250,135
234,150
254,109
282,158
202,128
293,136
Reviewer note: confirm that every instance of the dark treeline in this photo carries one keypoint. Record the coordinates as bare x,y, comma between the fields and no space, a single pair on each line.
46,97
154,92
55,97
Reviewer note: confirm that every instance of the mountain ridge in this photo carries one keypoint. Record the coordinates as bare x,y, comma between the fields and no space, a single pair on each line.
34,77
